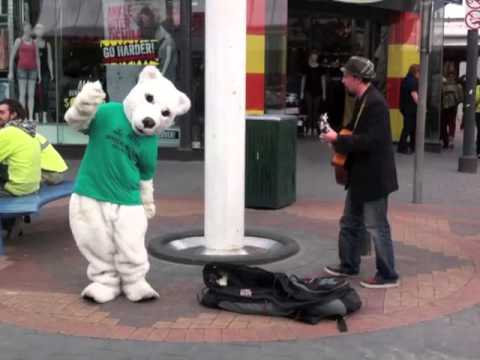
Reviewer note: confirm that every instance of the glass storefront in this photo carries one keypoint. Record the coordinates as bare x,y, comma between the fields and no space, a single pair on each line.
335,34
105,40
110,40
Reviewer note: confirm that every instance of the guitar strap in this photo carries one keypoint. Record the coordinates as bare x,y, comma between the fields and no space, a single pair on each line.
362,106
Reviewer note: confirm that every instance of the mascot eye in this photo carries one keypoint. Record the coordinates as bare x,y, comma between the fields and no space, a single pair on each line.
165,113
149,98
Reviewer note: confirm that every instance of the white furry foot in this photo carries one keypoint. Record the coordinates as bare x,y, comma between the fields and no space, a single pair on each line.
100,293
141,290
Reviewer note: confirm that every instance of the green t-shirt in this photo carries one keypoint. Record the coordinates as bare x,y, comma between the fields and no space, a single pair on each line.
21,153
116,158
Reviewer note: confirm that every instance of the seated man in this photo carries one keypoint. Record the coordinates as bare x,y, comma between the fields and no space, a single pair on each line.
52,164
19,152
19,158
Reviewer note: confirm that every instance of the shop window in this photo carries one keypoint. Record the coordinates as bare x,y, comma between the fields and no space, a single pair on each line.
105,40
275,56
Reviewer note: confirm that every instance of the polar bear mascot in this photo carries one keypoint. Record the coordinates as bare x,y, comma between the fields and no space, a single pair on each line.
113,194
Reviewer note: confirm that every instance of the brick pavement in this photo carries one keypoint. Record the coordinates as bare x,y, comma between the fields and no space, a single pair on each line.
437,249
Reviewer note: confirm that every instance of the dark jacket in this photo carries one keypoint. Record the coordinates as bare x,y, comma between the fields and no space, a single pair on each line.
408,106
370,157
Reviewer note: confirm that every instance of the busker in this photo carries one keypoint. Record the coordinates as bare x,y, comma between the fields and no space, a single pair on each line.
371,177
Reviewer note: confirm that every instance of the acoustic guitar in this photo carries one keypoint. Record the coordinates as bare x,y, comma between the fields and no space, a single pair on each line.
338,160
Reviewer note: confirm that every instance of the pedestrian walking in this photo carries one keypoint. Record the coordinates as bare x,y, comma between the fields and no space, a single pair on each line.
408,108
452,95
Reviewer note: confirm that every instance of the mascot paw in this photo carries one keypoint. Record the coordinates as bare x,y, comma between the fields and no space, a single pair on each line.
100,293
90,97
140,291
149,210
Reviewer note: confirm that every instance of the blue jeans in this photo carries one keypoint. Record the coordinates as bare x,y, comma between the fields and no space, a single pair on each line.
371,216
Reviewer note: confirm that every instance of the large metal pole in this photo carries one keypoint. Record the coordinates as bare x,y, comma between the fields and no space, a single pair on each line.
468,161
425,47
186,59
225,78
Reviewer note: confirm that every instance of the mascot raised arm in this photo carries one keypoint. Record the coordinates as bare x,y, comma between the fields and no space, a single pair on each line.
113,194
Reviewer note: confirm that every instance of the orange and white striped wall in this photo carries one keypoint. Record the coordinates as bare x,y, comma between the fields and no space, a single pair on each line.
403,51
256,17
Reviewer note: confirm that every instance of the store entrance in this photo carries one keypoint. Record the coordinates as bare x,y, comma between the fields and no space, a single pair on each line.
332,37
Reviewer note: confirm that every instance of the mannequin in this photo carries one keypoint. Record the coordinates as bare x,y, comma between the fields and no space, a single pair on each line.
26,68
150,28
46,68
313,89
167,53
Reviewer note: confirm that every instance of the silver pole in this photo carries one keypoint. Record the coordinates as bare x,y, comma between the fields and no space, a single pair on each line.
425,48
468,161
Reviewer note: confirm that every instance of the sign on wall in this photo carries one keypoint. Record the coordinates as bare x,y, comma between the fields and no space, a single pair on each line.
170,137
131,52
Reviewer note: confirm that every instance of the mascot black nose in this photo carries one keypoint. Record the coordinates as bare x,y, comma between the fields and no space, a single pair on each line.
148,123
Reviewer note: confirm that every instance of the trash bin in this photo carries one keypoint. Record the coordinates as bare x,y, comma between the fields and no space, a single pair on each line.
271,152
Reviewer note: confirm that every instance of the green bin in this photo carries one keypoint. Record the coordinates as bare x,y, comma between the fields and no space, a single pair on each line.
271,153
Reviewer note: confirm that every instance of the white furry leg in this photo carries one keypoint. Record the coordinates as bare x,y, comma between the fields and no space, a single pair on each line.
140,290
92,230
131,258
101,293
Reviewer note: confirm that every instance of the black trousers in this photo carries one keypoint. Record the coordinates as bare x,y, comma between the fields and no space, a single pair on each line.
407,138
477,120
313,103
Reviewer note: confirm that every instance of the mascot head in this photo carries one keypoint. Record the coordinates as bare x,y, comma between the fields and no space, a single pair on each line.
151,106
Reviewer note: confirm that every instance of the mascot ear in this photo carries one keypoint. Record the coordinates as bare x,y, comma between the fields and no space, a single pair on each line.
183,103
149,73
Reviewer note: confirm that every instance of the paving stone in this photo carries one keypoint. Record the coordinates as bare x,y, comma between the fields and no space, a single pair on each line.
435,243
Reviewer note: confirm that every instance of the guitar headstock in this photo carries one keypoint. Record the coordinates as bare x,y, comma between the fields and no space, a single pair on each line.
323,124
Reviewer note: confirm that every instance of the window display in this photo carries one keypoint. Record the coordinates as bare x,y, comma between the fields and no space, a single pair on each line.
143,24
24,67
105,40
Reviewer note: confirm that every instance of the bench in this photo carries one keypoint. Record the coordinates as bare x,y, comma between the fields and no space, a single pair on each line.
31,204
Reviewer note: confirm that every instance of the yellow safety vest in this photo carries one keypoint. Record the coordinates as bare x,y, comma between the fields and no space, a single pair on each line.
21,153
50,159
477,99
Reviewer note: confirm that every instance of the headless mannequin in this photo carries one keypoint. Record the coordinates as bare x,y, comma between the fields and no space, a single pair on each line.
166,53
46,68
313,89
27,68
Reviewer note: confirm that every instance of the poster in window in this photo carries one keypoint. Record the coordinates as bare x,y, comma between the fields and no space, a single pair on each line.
130,20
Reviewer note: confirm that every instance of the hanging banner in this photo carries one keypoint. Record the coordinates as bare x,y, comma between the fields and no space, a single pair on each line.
129,52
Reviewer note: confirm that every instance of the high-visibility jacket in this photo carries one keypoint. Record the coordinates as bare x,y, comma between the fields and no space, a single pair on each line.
477,99
50,159
21,154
